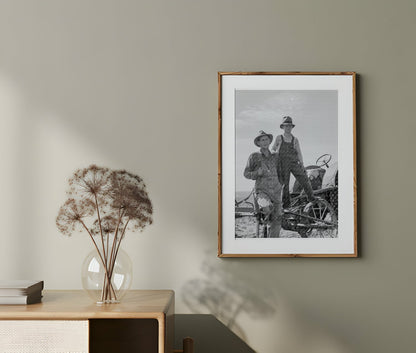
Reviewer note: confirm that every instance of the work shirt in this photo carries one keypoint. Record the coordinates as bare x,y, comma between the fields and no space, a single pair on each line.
268,182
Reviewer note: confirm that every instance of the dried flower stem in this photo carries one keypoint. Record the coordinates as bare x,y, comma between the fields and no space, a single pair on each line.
102,260
118,247
104,293
101,227
113,256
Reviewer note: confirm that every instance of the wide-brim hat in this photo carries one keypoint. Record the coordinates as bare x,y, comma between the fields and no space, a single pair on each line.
287,120
261,134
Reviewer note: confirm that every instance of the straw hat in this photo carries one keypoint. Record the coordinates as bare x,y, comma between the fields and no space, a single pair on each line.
261,134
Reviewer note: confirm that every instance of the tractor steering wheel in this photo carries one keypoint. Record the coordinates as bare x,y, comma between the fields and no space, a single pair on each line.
323,160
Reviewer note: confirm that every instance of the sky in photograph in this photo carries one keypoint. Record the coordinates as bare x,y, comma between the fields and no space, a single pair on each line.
314,112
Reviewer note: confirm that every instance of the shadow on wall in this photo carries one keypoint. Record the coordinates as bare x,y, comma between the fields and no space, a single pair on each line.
227,295
245,301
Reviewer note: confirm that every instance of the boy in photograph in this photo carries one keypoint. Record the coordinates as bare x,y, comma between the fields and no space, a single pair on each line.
290,160
262,167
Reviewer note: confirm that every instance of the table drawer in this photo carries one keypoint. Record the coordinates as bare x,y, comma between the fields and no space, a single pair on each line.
44,336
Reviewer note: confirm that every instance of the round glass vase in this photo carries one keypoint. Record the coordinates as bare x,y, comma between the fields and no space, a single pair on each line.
95,279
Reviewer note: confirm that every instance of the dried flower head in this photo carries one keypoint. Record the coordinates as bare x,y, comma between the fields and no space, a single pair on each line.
89,182
108,225
116,199
72,213
128,193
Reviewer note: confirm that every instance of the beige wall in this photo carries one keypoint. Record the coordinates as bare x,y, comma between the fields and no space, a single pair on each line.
132,84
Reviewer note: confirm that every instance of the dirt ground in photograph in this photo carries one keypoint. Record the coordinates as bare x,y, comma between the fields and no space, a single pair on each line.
245,227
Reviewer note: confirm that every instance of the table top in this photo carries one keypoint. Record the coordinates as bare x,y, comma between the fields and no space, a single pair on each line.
210,335
77,305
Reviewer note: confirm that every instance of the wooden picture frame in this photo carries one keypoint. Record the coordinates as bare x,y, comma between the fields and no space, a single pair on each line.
263,212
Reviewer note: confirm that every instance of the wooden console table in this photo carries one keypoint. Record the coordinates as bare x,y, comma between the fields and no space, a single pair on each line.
142,322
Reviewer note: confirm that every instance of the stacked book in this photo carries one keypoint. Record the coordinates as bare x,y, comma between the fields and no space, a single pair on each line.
20,292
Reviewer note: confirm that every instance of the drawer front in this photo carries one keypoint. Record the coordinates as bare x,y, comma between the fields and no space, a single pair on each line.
43,336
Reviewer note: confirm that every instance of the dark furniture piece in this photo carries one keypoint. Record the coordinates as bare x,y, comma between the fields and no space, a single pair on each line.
209,335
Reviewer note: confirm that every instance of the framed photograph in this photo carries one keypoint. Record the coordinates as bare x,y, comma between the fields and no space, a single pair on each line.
287,164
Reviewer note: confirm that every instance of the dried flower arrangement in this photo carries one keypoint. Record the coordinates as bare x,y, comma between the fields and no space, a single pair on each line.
105,203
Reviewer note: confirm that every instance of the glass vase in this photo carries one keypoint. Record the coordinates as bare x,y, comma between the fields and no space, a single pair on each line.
95,277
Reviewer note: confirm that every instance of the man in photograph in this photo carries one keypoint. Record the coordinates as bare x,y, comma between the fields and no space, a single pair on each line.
262,167
290,158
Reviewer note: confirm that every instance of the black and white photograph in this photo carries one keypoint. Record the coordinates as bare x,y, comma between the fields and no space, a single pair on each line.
286,146
286,164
